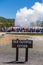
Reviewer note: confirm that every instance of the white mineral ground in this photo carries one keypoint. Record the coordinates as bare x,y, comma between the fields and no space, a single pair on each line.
7,53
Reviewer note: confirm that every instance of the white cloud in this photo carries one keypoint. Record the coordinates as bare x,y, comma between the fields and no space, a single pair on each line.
25,16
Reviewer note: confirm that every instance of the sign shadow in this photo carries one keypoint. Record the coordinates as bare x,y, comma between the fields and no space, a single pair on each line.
14,62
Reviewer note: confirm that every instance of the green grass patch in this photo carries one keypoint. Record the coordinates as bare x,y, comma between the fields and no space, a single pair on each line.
31,34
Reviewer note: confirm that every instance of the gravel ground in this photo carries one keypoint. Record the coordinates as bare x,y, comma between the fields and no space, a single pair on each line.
7,53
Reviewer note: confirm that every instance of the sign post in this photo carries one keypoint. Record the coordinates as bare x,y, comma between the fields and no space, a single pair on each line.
17,52
26,55
22,44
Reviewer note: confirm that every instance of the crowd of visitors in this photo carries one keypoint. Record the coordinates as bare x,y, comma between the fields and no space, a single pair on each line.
18,29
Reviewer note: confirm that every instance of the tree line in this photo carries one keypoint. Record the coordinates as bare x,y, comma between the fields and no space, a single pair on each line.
6,22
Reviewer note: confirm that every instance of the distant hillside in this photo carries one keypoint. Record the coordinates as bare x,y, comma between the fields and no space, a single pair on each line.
6,22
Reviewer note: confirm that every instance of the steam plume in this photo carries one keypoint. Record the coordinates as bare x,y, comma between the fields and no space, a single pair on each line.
25,16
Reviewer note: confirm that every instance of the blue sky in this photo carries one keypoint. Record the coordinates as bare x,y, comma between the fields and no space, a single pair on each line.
8,8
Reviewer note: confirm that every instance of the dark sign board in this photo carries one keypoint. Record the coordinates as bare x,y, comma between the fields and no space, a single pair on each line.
22,43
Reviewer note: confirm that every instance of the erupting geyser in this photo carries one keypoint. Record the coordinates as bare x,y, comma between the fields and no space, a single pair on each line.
25,16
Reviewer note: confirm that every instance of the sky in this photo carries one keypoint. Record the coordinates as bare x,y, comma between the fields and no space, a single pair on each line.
9,8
